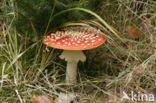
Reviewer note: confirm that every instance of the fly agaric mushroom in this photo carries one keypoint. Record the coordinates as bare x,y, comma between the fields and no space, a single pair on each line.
73,40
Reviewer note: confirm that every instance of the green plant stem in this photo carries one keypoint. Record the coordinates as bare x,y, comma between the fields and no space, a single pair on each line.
92,13
40,46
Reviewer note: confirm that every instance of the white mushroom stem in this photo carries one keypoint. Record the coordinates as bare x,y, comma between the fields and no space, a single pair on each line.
71,72
72,57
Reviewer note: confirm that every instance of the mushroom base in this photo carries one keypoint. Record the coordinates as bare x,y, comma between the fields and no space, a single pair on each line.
71,72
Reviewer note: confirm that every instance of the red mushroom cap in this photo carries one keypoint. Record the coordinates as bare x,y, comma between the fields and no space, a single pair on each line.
75,38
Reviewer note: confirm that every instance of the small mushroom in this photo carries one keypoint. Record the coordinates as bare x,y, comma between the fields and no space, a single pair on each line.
73,40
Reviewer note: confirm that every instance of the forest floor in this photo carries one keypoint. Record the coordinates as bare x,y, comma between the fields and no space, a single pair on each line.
119,67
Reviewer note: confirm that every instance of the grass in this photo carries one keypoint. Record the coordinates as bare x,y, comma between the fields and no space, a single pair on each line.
119,66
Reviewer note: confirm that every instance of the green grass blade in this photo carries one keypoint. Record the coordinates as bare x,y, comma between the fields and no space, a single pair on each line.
92,13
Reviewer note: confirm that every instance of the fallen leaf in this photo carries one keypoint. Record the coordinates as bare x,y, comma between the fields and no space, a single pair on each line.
41,99
133,32
17,101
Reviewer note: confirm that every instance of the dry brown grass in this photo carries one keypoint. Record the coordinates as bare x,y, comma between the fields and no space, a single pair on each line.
118,66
